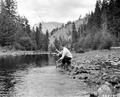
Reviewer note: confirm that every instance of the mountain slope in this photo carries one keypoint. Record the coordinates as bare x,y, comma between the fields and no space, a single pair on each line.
50,26
65,32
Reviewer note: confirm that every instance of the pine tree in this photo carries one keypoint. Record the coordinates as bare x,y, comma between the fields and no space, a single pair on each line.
7,22
114,18
40,38
37,38
104,15
110,16
46,40
90,26
57,43
27,27
97,14
117,18
74,33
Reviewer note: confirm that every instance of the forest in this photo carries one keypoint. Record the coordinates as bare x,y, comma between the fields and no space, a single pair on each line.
16,32
100,29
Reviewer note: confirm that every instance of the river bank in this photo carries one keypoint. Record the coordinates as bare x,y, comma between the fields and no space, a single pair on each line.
4,53
85,66
96,67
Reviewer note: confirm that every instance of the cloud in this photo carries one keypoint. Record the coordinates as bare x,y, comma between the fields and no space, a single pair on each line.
54,10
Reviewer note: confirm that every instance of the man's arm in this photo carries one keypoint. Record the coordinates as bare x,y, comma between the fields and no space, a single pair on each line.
63,54
57,50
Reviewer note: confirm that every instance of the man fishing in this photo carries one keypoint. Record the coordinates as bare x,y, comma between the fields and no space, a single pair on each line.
65,56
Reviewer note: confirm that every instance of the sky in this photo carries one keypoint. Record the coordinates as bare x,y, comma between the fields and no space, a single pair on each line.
54,10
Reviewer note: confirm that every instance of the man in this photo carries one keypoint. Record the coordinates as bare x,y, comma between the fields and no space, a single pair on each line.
65,56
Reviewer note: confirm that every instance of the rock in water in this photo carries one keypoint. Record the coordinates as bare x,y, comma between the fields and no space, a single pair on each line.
105,90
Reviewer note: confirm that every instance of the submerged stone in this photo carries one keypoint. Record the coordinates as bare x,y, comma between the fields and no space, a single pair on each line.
105,90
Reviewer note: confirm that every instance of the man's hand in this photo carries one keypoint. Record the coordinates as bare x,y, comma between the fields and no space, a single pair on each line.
57,50
54,53
59,60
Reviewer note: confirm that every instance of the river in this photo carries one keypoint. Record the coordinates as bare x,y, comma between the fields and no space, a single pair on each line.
36,76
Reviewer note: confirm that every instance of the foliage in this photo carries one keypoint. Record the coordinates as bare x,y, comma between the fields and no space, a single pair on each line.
16,32
98,41
37,37
27,43
102,28
18,46
46,41
7,22
42,40
74,34
57,43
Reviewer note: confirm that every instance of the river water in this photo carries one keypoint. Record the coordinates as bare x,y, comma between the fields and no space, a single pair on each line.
35,76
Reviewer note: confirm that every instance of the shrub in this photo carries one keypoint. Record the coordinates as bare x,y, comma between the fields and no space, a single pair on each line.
27,43
17,46
88,41
99,40
78,47
106,41
102,40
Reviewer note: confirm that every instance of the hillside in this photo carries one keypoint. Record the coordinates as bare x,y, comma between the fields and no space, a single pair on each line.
50,26
65,32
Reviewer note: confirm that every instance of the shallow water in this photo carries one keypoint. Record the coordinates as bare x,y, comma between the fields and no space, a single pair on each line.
35,76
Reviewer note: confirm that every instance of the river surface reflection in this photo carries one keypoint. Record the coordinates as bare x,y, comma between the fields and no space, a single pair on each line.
13,71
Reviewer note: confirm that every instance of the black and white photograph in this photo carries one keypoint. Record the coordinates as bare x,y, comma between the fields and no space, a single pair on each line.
59,48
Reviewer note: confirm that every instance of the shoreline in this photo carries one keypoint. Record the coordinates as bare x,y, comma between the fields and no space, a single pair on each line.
19,53
81,67
86,67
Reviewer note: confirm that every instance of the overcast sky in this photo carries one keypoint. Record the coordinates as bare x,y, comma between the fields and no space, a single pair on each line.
54,10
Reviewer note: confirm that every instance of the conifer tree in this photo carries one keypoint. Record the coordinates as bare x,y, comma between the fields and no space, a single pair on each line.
57,43
46,40
37,38
7,22
117,19
97,14
74,33
104,15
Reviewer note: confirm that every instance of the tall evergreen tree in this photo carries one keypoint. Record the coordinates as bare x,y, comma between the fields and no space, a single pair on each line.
97,14
104,15
114,18
91,27
74,33
117,19
27,27
110,16
46,40
37,38
57,43
7,22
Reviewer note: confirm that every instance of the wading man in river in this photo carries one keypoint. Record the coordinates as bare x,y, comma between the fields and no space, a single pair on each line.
65,56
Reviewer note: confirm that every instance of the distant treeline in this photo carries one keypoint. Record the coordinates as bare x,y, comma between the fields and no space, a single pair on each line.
100,29
15,31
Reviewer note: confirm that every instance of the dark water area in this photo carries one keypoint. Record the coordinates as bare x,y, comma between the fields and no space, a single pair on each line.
13,71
